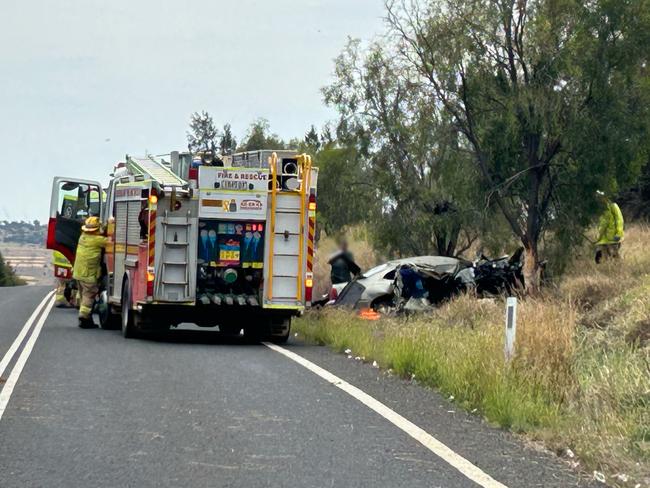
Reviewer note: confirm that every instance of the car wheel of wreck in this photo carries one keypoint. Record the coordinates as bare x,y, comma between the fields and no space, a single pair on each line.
383,305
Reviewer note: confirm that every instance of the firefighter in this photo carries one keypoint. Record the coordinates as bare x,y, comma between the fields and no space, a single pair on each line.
610,230
63,274
343,267
87,268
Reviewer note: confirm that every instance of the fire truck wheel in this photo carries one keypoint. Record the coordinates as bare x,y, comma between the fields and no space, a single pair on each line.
275,330
128,324
229,329
107,318
146,324
280,330
280,339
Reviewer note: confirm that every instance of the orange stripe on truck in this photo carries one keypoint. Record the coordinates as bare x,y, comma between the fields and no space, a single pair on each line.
152,233
310,244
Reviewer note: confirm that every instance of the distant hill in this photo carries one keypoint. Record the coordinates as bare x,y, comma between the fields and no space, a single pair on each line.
23,232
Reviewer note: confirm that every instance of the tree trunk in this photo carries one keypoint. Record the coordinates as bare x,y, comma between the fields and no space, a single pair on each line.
531,269
446,242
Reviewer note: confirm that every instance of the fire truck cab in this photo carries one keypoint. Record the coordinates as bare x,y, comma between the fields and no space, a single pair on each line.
216,242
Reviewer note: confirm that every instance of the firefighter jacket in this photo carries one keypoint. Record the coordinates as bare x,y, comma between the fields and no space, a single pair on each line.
87,260
610,228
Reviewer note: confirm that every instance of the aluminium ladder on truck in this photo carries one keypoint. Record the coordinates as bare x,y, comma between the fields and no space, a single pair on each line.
173,282
155,170
286,240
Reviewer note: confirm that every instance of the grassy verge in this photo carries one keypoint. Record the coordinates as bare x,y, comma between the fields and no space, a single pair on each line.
581,375
8,276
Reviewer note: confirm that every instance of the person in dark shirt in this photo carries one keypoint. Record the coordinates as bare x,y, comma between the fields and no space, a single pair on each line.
343,265
143,220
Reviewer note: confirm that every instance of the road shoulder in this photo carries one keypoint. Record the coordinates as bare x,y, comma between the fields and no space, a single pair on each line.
500,454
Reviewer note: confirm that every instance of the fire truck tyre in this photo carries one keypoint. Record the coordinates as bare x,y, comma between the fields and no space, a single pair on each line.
128,324
161,326
280,330
107,319
145,323
254,334
229,329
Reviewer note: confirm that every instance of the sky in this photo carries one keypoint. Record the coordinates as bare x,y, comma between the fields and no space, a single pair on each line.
84,82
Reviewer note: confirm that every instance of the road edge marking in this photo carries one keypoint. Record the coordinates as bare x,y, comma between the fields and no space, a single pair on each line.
6,359
9,386
466,468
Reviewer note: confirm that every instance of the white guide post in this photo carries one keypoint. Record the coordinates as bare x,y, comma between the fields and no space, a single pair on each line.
511,327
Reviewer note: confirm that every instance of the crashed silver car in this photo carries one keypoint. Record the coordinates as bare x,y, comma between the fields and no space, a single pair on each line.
416,283
433,278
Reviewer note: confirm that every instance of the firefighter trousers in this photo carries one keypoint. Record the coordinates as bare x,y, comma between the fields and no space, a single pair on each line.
60,300
607,251
88,291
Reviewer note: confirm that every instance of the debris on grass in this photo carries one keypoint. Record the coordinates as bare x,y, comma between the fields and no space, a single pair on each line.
622,477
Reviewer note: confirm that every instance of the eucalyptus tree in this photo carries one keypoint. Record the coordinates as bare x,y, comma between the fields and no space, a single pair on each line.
203,134
550,96
422,178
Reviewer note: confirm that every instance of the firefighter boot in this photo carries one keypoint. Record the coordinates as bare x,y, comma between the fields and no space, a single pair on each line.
87,323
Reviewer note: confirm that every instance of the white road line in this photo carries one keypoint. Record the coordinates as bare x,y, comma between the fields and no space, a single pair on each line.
469,470
6,359
9,386
27,258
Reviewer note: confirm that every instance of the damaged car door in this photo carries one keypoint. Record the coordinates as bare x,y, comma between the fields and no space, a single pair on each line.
372,289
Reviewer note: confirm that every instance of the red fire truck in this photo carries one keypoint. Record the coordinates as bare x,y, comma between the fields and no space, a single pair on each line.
216,242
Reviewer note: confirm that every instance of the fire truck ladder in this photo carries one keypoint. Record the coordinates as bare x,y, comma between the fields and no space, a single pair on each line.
155,170
174,283
287,221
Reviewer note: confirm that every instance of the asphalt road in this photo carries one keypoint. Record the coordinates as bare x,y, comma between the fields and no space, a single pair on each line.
92,409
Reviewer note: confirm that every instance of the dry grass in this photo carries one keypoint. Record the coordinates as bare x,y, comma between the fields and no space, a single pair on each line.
364,256
581,375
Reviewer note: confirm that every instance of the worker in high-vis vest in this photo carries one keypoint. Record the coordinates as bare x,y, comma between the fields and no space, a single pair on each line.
610,230
63,275
87,268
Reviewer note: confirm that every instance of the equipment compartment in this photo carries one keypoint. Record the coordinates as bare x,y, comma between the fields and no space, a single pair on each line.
230,261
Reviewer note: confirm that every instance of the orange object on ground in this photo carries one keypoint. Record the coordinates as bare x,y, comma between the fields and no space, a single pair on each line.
369,314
